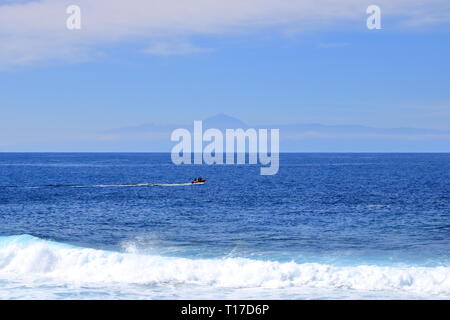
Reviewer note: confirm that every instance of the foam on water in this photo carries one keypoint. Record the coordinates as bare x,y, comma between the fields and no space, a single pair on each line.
50,267
147,184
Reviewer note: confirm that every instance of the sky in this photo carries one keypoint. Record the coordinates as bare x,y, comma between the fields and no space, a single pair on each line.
262,61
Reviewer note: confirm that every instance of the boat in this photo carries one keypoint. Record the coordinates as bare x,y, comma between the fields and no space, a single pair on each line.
199,181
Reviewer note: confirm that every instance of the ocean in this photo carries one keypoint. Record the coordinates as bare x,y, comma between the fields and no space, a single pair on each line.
130,226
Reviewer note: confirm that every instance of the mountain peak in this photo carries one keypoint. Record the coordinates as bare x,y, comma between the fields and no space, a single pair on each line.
223,121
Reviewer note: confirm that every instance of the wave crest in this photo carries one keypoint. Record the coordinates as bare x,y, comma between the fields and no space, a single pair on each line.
29,257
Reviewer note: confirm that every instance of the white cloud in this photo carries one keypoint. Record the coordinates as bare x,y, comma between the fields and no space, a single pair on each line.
173,48
36,30
328,45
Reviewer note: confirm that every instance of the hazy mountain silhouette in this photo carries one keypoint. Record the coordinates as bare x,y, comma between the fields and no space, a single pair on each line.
220,121
152,137
294,137
223,121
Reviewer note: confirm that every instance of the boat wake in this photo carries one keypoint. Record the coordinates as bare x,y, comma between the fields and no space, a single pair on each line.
113,185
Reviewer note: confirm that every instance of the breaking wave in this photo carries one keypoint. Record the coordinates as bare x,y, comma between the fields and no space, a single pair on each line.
33,259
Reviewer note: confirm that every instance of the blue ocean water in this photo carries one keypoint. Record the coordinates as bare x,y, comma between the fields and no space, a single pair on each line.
327,226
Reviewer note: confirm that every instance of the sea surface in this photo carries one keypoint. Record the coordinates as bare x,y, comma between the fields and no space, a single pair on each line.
130,226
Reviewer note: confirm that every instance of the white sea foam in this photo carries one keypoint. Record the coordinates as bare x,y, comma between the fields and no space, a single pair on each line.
117,185
35,262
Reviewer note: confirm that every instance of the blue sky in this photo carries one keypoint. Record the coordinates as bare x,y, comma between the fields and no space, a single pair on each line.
337,74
